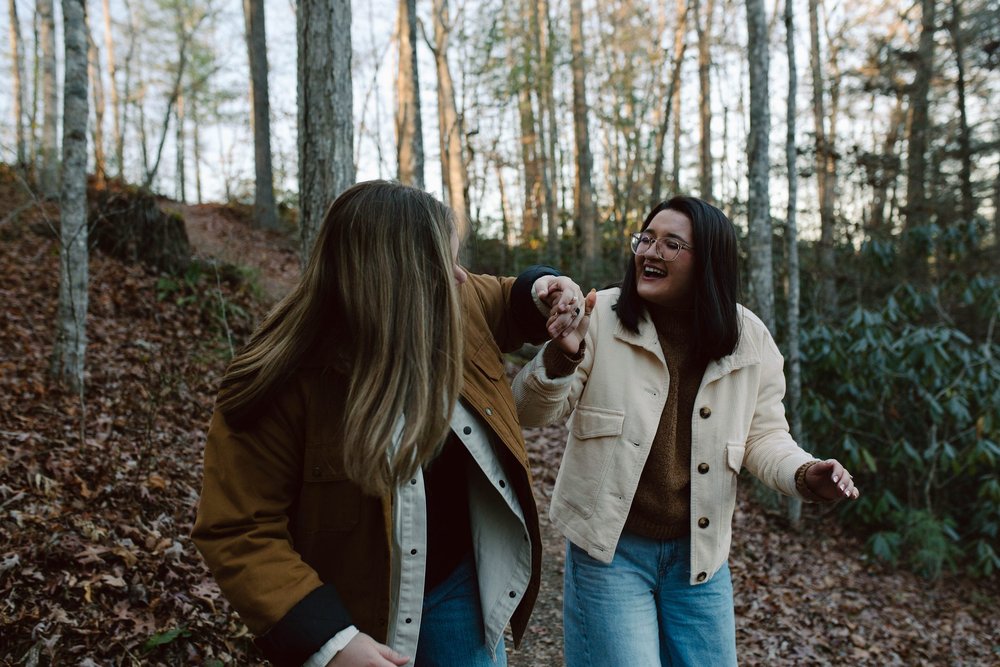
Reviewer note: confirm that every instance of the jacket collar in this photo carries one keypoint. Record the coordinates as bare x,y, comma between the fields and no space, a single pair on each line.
746,353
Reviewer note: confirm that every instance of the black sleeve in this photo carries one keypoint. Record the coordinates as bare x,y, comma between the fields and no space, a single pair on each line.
305,628
529,320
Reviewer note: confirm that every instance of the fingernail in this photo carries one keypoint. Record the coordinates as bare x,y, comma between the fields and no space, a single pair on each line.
836,479
843,486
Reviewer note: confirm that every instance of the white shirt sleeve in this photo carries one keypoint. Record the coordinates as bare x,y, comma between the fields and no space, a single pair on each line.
539,304
334,646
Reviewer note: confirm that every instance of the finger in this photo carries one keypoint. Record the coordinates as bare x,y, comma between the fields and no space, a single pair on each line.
393,657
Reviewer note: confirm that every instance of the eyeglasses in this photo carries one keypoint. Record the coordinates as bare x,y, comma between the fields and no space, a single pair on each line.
665,248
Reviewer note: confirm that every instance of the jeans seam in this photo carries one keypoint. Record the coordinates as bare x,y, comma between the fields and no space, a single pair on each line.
579,608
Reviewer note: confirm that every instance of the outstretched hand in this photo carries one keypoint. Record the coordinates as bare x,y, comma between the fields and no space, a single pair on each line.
830,481
563,297
569,341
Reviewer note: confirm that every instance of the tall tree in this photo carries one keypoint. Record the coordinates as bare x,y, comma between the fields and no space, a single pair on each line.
824,163
680,45
50,145
968,208
325,110
758,211
703,25
409,126
547,125
792,240
523,74
265,212
450,131
916,164
71,326
583,190
180,150
17,66
116,117
97,85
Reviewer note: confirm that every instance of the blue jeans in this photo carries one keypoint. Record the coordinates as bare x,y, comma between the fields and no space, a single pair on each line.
641,611
451,628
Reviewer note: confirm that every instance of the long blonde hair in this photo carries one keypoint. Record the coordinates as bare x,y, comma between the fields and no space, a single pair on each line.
379,294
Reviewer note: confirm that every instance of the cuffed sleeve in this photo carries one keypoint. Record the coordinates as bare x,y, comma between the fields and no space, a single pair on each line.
305,629
558,363
530,320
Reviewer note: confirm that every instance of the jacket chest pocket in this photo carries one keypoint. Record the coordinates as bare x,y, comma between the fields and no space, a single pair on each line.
596,432
329,501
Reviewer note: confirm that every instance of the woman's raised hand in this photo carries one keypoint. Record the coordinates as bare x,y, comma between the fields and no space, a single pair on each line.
569,340
563,297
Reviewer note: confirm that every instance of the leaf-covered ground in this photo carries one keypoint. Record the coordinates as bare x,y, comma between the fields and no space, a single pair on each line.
97,497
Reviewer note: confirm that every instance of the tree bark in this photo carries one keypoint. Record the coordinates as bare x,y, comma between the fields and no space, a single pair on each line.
265,212
409,125
450,127
916,166
823,164
116,119
325,111
761,269
94,73
964,135
546,118
791,232
50,146
196,140
704,28
180,149
17,76
71,329
583,190
680,46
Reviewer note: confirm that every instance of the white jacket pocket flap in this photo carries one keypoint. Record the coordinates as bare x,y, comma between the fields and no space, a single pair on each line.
597,422
734,455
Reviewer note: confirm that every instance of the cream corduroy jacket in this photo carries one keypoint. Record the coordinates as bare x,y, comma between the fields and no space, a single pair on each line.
614,400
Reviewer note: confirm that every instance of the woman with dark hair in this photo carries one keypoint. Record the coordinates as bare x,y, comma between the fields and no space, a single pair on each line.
366,496
672,387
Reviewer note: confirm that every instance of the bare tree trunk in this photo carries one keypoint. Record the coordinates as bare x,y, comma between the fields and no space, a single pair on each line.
680,45
791,232
964,135
703,25
824,159
675,168
196,139
265,212
116,127
71,328
36,75
531,220
50,145
409,126
17,66
179,143
449,122
325,110
546,117
916,170
887,175
586,211
761,269
94,72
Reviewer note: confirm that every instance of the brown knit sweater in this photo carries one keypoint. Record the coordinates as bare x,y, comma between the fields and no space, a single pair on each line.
662,504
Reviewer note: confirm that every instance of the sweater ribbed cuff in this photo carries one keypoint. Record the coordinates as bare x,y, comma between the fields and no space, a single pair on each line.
558,363
803,488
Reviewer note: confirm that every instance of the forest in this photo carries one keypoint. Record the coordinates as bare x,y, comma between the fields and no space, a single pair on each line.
160,190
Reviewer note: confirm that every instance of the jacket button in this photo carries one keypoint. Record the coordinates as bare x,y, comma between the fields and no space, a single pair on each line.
467,430
702,576
413,481
413,552
702,468
316,471
489,411
503,484
705,412
513,594
703,522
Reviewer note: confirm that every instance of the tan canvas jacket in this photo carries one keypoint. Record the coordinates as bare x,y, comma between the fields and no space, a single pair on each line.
615,399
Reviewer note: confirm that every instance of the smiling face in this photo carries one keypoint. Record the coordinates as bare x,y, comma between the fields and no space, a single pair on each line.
667,283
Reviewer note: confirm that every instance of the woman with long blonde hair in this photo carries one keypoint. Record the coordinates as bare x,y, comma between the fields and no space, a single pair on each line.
366,496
